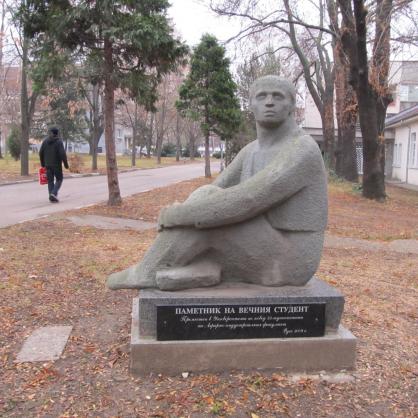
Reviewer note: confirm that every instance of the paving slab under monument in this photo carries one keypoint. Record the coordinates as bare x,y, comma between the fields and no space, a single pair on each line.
44,344
106,222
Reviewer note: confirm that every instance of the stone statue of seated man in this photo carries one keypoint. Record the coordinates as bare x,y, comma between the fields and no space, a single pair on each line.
261,221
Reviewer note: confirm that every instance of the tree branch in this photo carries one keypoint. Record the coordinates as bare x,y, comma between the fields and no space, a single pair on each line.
271,23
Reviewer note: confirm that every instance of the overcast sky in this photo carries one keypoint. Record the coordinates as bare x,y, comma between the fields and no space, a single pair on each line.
192,19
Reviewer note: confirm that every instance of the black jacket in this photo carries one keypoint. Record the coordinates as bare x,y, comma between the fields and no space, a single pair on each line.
52,153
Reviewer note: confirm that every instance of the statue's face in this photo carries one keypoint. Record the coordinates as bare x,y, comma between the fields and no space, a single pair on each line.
271,104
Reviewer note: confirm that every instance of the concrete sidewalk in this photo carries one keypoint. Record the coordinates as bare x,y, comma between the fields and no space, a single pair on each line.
397,183
27,201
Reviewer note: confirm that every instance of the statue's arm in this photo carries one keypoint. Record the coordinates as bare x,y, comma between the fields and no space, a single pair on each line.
232,173
276,183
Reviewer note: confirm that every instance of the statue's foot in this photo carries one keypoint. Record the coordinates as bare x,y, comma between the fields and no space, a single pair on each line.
128,279
199,274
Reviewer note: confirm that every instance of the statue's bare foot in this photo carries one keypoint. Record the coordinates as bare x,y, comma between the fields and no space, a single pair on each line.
199,274
128,279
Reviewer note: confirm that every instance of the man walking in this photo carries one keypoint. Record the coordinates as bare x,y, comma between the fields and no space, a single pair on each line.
52,155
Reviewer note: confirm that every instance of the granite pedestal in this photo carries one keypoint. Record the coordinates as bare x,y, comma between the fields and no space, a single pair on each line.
333,351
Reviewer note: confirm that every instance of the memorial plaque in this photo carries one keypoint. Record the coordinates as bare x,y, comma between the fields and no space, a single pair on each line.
214,322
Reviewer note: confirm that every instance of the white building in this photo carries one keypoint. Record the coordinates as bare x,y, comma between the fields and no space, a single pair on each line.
403,80
123,142
401,133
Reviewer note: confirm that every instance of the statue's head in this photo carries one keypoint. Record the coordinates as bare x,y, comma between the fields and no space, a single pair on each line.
272,100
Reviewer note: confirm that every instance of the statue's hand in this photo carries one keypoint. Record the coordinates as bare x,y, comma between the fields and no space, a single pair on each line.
183,214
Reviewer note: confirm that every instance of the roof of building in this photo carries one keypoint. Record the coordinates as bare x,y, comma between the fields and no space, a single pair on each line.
406,114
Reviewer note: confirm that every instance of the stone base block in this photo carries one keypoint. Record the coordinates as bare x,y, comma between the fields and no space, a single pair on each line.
335,351
315,291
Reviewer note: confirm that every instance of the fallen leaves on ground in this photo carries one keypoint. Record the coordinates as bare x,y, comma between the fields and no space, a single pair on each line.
53,273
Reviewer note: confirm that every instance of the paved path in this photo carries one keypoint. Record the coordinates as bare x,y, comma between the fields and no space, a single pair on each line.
405,246
26,201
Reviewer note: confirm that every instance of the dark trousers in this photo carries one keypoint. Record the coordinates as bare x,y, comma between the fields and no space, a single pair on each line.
55,177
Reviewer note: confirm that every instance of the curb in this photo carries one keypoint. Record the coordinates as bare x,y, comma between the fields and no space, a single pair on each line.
11,183
72,176
69,176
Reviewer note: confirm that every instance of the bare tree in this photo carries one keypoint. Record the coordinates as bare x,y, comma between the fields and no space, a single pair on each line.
94,119
370,84
166,115
150,134
346,104
178,136
27,107
28,97
193,133
133,116
320,83
3,10
309,44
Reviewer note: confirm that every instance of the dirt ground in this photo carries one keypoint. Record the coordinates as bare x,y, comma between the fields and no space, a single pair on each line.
53,273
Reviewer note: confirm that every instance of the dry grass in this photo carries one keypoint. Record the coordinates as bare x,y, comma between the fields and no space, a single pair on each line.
52,272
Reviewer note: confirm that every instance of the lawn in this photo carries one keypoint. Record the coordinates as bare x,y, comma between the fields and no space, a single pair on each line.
53,273
10,169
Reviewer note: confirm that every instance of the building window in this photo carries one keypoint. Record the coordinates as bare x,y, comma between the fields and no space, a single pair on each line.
408,93
412,93
413,150
397,155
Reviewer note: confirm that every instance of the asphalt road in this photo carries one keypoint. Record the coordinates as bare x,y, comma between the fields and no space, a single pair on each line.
27,201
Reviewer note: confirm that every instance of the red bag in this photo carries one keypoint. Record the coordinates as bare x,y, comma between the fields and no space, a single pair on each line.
43,179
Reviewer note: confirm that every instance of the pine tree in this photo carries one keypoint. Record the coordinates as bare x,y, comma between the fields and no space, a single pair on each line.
208,94
132,42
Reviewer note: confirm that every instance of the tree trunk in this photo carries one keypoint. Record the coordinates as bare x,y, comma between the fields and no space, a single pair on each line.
207,156
373,176
354,41
24,109
97,133
346,110
111,162
346,164
134,127
373,145
133,155
192,145
380,73
149,139
97,125
94,158
159,146
192,151
160,128
3,8
178,141
328,127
